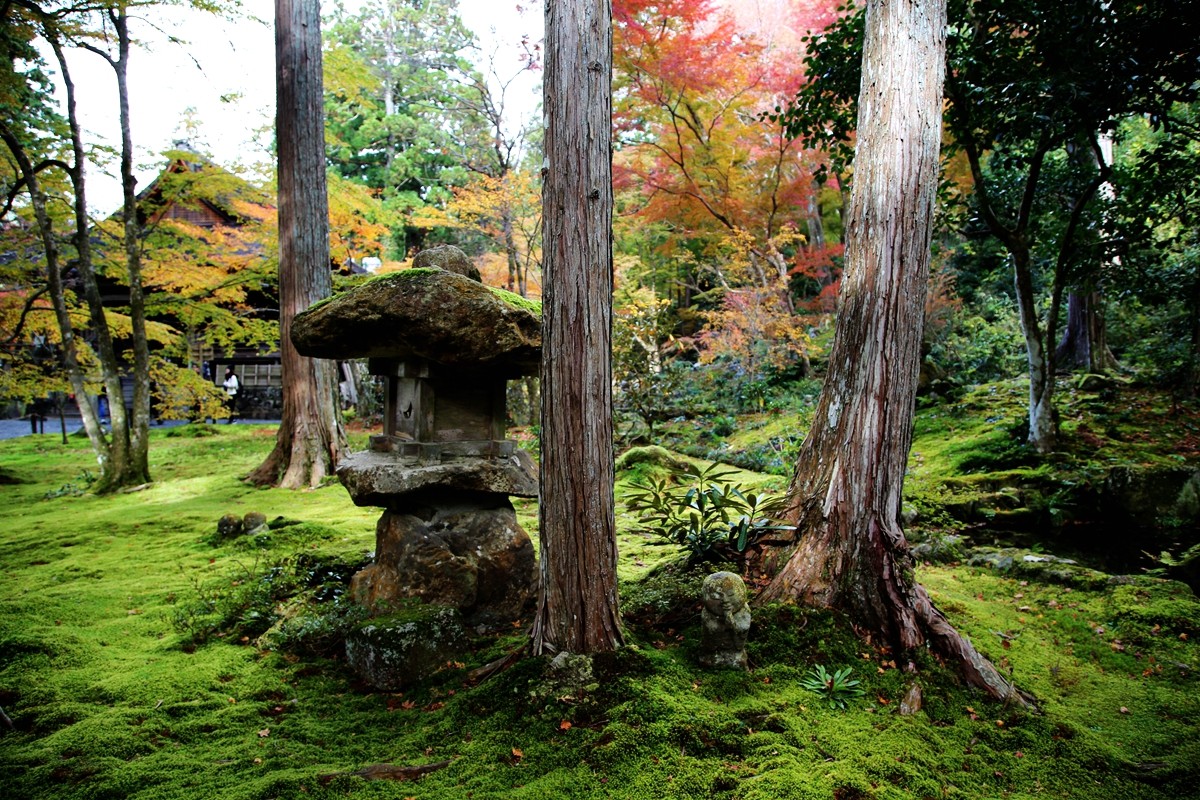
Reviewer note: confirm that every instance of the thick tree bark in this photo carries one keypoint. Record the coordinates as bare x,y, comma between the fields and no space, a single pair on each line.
577,598
310,438
851,553
1084,344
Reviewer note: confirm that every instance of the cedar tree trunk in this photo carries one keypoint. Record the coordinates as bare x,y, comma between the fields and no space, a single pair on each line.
310,437
577,596
852,554
1085,341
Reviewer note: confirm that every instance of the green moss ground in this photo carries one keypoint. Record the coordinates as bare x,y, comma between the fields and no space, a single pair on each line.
110,700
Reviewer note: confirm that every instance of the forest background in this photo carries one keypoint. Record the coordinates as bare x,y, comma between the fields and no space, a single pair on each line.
728,229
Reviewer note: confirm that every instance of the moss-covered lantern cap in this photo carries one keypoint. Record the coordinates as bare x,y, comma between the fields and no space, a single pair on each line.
429,314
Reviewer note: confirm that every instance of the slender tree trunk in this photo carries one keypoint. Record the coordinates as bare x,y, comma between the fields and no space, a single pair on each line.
118,467
510,249
851,553
577,597
310,438
816,226
136,428
1043,427
70,348
115,451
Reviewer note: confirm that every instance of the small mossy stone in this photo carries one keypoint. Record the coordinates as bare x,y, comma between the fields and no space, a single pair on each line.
940,548
229,526
390,653
725,621
449,258
254,522
568,675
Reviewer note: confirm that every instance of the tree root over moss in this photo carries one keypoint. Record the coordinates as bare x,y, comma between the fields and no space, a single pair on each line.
388,772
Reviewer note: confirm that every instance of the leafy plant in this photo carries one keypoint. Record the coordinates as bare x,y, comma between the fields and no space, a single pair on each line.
837,688
701,512
243,602
75,488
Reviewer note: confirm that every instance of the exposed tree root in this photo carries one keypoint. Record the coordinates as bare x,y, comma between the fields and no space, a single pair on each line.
388,772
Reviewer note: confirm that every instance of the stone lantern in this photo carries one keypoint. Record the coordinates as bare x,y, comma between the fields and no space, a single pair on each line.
442,469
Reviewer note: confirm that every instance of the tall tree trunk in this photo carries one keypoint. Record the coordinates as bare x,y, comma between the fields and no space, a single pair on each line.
310,438
1043,427
122,465
577,597
1084,344
851,553
510,249
137,427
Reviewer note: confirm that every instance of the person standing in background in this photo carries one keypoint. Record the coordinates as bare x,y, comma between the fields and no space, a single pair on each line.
233,387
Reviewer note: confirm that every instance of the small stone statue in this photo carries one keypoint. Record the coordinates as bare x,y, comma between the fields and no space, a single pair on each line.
725,620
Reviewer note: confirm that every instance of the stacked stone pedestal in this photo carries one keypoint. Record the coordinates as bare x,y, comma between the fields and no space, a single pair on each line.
468,556
448,542
449,535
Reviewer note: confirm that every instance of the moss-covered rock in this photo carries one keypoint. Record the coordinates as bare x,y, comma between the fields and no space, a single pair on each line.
1037,566
449,258
939,548
392,652
430,314
653,454
1170,605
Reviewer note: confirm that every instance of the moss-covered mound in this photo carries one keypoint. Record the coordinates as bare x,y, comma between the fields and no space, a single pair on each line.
113,696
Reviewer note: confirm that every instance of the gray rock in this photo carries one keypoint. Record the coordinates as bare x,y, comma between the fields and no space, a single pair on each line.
568,675
911,703
392,652
428,314
1037,566
475,559
725,621
449,258
940,549
255,522
381,479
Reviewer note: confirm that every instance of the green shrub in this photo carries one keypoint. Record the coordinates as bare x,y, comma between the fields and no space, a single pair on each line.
705,515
